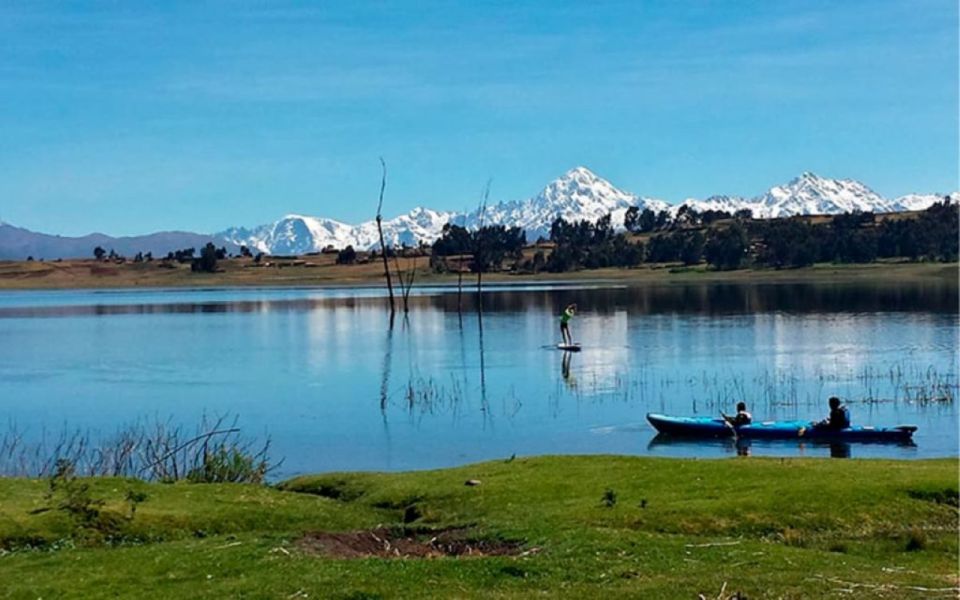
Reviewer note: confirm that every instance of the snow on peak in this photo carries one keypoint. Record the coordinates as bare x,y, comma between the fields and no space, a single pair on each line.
581,189
578,194
912,202
810,194
579,177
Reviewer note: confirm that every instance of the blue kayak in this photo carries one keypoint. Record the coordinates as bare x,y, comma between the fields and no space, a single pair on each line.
777,430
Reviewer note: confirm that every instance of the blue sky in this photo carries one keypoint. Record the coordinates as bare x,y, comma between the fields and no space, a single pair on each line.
128,117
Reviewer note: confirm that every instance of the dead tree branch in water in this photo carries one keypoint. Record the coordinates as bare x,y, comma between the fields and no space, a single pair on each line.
478,253
405,284
383,246
410,277
460,273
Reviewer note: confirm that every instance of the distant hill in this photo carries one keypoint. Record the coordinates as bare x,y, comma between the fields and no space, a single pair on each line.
17,243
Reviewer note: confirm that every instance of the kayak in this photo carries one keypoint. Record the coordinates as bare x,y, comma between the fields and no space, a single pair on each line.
777,430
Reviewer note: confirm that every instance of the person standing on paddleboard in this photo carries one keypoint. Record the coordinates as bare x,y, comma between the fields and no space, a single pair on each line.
568,313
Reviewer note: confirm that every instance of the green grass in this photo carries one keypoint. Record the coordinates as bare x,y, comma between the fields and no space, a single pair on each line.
795,528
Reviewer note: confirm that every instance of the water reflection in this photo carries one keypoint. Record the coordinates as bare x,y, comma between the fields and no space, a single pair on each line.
568,379
484,404
839,450
338,385
704,299
685,446
387,365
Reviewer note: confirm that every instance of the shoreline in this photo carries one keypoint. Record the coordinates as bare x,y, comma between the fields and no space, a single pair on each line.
288,478
90,275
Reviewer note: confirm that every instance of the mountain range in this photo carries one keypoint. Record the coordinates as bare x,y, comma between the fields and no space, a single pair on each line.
576,195
17,243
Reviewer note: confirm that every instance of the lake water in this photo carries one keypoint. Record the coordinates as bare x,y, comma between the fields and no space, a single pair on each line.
322,372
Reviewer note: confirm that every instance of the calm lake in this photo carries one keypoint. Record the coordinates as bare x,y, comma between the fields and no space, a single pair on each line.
322,372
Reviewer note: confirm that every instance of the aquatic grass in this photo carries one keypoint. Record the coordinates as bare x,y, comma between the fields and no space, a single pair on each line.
149,449
910,383
427,395
767,391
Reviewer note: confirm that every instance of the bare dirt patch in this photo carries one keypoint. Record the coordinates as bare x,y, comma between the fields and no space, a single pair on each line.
385,542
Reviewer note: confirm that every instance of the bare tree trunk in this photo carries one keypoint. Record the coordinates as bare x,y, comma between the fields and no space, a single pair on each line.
460,285
383,246
410,278
460,272
479,250
405,285
480,290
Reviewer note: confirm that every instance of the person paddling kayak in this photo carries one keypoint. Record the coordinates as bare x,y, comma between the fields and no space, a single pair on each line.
839,416
565,317
741,418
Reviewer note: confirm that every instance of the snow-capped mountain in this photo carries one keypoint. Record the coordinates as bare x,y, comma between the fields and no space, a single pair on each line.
810,194
730,204
293,234
577,195
922,201
813,195
298,234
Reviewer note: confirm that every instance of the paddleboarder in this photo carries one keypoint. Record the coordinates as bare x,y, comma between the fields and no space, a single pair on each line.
565,317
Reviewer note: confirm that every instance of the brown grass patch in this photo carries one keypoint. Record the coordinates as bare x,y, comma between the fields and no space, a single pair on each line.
385,542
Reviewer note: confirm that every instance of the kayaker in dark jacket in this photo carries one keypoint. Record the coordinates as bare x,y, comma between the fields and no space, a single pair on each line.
839,415
741,418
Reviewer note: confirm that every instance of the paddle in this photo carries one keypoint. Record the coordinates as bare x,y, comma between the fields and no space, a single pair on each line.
729,425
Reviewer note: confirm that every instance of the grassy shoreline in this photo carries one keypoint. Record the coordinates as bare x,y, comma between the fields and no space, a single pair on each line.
581,526
321,271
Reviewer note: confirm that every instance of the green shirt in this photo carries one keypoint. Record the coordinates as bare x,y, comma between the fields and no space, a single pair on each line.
566,316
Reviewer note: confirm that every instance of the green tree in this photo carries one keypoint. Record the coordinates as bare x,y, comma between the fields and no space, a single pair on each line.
692,249
347,256
207,263
454,240
648,220
726,248
631,219
662,220
664,247
493,243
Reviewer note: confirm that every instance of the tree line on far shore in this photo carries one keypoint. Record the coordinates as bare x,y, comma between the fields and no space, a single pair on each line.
205,263
723,240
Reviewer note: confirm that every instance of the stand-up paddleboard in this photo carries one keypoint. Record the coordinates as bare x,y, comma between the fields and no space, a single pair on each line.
569,347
